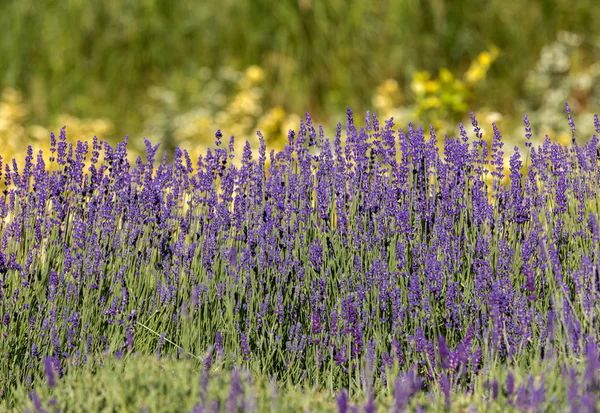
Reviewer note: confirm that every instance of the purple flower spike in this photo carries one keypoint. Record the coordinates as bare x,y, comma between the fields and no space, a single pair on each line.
342,402
370,407
219,345
510,383
528,133
235,393
592,369
443,351
49,370
571,121
445,385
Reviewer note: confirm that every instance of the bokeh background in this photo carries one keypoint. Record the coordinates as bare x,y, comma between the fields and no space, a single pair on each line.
175,71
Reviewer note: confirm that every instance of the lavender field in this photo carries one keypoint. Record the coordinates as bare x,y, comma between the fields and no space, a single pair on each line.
377,270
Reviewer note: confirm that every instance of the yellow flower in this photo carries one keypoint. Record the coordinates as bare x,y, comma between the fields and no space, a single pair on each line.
11,95
381,101
446,76
432,86
291,121
38,132
485,59
564,138
418,82
421,76
83,129
389,86
244,103
432,102
418,87
255,74
203,122
13,112
101,126
459,86
4,123
278,112
492,117
475,74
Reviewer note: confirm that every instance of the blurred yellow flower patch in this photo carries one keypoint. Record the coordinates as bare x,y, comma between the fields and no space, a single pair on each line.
387,96
83,128
255,74
478,69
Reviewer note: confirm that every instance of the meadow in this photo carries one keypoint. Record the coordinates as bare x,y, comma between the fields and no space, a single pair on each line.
439,256
374,269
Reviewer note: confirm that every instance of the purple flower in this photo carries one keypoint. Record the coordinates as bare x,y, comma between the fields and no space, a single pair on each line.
219,345
49,370
62,146
328,255
161,340
316,255
245,346
445,385
590,378
37,403
443,351
235,394
571,121
370,407
510,383
528,133
342,402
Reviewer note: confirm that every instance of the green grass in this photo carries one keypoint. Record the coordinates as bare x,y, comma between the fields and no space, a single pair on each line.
98,59
137,382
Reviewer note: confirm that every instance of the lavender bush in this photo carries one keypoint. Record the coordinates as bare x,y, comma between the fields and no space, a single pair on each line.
379,269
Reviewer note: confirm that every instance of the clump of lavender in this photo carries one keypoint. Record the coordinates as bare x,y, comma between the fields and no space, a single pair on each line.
332,260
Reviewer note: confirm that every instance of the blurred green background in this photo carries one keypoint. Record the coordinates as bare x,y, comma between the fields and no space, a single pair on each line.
175,71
